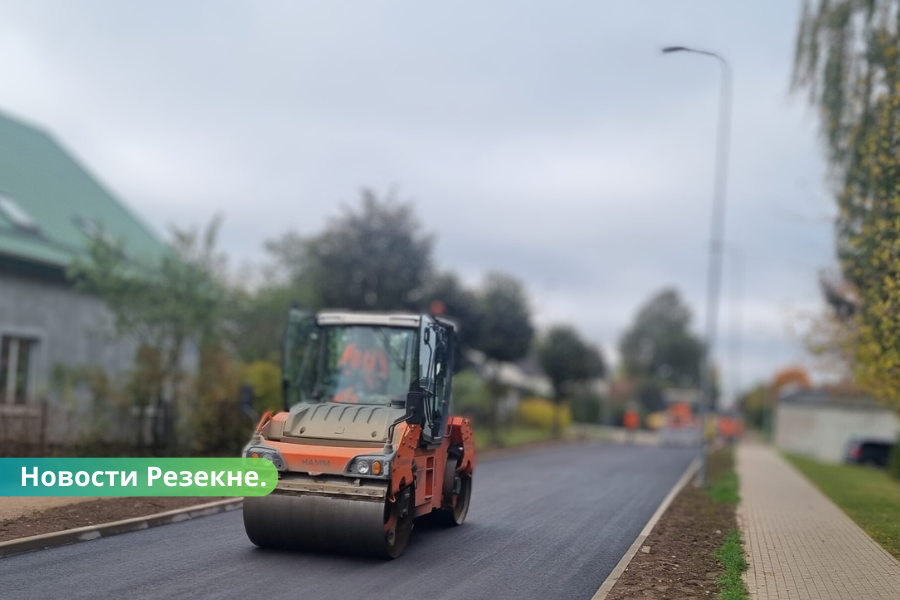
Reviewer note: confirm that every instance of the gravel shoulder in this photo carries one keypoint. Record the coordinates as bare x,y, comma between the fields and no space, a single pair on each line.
12,507
50,518
678,560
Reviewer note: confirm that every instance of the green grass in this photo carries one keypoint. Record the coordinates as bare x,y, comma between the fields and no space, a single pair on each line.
512,436
868,496
725,488
731,555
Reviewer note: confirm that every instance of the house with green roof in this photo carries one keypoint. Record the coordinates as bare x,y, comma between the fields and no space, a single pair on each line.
50,208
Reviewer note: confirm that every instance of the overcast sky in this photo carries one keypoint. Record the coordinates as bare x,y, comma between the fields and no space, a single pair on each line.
548,139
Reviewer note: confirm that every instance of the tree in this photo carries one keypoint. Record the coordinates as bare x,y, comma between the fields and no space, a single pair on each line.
831,335
848,59
754,404
506,330
446,292
373,257
257,319
566,360
470,395
790,379
659,345
164,307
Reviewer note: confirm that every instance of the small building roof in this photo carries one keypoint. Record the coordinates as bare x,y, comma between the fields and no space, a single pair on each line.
823,398
50,206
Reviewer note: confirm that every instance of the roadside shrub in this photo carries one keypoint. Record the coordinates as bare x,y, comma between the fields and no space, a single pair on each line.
104,418
218,427
538,412
471,396
265,379
586,407
655,420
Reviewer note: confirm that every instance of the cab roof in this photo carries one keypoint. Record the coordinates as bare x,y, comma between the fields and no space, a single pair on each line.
340,317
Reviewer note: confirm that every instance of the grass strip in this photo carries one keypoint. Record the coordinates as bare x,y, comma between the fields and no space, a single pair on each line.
731,555
724,490
868,496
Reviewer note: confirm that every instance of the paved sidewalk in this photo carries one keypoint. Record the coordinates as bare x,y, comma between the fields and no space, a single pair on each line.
800,545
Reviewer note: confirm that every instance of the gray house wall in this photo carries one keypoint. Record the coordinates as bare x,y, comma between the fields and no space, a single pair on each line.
73,330
50,210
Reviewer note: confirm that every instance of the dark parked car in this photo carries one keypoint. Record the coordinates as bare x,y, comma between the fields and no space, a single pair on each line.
869,452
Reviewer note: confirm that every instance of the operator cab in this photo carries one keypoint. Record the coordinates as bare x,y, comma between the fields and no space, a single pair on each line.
399,361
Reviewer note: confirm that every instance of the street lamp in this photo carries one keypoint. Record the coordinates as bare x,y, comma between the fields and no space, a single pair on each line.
737,257
714,275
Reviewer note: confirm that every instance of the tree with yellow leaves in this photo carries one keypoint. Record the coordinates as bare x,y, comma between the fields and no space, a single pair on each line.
848,59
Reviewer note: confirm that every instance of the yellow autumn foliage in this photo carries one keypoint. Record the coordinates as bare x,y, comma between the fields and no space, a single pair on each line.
264,378
538,412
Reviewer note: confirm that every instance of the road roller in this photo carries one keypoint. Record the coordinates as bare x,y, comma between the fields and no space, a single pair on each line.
365,444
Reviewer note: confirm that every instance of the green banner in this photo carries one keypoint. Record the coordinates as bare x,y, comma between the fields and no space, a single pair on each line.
137,477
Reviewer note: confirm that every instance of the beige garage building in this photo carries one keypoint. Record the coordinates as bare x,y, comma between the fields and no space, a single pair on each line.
820,425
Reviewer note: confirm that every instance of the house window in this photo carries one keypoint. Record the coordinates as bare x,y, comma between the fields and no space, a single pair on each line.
17,356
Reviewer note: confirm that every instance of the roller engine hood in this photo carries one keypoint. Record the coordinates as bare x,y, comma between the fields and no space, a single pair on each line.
341,422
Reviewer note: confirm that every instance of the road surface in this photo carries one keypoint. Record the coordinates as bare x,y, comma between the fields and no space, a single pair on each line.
545,524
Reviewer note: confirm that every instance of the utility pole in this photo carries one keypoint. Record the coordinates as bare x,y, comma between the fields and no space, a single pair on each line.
714,274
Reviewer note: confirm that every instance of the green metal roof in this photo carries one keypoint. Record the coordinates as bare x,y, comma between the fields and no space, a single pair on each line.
57,193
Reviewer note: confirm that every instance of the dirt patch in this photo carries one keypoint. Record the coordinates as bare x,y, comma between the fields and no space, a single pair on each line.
93,512
677,561
12,507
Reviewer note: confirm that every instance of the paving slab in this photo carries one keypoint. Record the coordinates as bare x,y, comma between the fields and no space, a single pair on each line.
799,544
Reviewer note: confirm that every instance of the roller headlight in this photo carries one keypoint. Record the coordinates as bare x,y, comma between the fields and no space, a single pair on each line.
267,452
376,466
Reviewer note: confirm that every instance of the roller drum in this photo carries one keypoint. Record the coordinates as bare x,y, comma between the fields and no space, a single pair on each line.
311,522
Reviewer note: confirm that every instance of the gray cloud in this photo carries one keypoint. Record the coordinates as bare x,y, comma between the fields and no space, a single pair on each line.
551,140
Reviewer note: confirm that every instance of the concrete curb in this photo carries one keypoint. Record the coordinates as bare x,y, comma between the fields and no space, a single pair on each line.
92,532
613,577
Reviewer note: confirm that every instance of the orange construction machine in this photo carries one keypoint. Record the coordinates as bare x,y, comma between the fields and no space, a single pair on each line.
365,443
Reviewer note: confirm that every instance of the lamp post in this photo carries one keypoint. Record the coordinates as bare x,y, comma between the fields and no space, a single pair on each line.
737,257
714,274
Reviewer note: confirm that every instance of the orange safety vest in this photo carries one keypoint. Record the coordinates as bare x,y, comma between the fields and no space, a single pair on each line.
632,420
374,365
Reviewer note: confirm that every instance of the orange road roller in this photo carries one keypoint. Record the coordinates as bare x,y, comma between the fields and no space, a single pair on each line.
365,444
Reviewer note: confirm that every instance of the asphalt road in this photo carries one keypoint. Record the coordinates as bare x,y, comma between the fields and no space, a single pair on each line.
548,524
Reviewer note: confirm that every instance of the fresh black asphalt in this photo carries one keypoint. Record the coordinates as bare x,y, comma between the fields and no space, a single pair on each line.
544,524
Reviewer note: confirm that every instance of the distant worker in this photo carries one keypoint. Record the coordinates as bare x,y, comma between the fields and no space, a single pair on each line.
632,421
729,429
